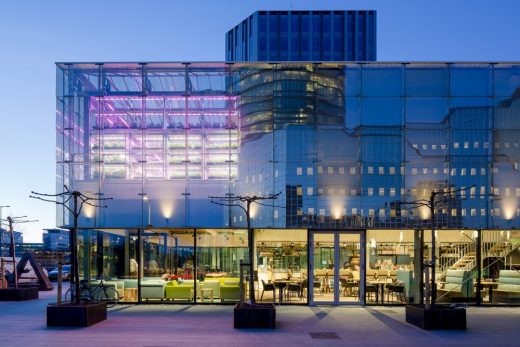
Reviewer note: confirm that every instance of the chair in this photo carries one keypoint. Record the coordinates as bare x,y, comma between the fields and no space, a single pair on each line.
370,290
508,287
296,288
269,287
397,288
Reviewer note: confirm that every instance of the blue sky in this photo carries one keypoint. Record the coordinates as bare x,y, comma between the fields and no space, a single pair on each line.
35,34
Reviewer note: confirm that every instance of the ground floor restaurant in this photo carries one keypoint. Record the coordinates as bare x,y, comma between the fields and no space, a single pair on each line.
335,267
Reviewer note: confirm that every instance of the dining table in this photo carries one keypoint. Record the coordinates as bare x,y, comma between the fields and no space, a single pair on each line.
380,287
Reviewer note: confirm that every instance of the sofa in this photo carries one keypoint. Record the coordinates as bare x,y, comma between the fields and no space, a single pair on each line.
175,290
458,284
508,287
152,289
230,290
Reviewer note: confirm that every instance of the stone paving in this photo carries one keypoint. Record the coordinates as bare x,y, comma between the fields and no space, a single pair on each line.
23,324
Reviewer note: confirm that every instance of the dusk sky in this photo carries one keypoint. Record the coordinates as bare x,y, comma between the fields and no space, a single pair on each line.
36,34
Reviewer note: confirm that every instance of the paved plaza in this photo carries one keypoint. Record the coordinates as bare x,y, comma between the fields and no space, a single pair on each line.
23,324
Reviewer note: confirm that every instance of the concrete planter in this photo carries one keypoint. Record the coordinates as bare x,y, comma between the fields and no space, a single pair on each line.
255,316
439,317
18,294
74,315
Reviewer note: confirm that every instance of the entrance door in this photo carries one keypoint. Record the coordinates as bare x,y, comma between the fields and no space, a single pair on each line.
336,267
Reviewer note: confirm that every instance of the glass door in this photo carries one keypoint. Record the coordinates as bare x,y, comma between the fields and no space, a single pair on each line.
336,269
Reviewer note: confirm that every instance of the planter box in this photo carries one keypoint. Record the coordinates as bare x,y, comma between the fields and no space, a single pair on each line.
74,315
255,316
439,317
18,294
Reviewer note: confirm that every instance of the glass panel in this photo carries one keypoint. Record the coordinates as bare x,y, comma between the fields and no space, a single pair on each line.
349,268
500,283
168,265
323,286
471,80
111,256
427,81
219,252
390,271
281,255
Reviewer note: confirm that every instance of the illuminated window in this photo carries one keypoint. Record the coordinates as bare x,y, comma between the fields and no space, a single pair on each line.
354,211
414,171
475,144
453,172
352,170
482,190
320,169
463,212
434,147
353,191
496,191
299,191
322,211
425,170
275,214
310,211
342,191
507,192
486,144
483,172
424,147
299,171
310,171
320,191
391,170
341,170
382,212
497,145
443,147
371,212
472,192
381,170
330,170
506,145
466,145
276,173
456,145
463,172
482,212
473,212
370,170
473,171
435,170
370,191
310,190
402,170
454,212
392,191
497,212
381,191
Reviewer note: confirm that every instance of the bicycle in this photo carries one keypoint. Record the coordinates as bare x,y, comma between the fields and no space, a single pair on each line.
98,293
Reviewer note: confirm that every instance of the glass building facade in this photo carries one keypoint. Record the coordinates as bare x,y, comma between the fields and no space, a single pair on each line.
347,146
304,36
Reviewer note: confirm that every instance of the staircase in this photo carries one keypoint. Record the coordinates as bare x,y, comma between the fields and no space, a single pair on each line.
463,255
467,262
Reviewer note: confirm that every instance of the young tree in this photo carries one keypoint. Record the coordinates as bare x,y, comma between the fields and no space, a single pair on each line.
437,199
78,201
244,202
12,249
